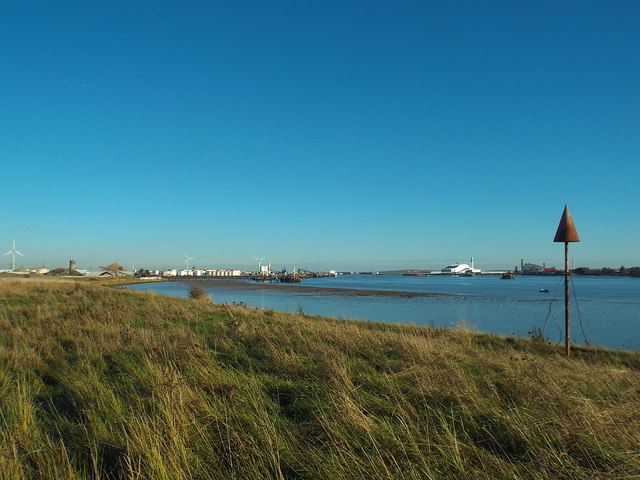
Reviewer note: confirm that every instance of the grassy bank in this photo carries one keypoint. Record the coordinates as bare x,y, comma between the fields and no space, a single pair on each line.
101,383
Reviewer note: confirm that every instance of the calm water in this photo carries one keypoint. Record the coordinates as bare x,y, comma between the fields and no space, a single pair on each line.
607,308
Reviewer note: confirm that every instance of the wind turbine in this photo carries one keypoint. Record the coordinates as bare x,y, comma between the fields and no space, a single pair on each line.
259,260
13,252
186,260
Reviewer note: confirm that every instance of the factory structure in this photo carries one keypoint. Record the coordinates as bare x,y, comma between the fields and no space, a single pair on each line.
533,269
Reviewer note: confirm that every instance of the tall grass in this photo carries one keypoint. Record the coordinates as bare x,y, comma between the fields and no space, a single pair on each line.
101,383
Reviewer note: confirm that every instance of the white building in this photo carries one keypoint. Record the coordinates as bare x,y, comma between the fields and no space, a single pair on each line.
455,269
460,268
224,272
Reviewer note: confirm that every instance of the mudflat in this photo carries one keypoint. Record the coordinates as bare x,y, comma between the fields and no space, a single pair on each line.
353,292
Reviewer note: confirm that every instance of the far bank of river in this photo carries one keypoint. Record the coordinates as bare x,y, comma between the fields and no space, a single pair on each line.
607,309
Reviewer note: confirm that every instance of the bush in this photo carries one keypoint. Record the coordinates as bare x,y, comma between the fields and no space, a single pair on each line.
196,292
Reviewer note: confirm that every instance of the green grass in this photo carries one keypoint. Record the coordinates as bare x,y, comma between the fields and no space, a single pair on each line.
97,382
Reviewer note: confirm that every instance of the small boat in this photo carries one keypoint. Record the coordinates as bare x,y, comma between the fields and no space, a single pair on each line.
508,276
544,290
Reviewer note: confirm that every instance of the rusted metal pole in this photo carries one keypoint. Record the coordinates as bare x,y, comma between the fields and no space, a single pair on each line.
566,233
567,323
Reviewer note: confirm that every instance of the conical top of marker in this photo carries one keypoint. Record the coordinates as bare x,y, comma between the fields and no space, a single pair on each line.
566,230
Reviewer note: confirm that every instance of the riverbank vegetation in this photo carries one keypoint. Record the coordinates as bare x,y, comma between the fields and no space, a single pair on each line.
97,382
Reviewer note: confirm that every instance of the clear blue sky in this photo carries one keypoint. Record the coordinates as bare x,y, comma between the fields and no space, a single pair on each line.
348,134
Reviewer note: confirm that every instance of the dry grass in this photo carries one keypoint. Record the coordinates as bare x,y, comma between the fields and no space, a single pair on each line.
100,383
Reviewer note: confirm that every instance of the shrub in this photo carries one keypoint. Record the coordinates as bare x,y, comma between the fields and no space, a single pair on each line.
196,292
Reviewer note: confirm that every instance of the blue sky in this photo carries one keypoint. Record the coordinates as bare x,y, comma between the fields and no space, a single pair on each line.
349,135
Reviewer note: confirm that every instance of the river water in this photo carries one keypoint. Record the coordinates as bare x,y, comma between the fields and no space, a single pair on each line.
605,311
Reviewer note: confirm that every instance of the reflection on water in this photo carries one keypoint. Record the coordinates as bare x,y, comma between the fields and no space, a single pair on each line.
607,308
